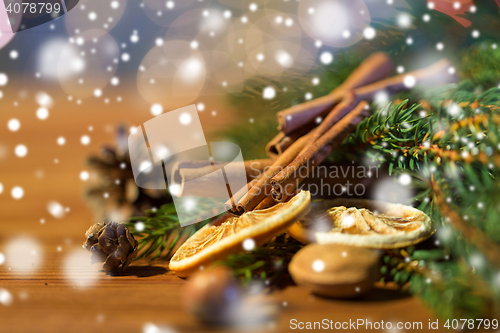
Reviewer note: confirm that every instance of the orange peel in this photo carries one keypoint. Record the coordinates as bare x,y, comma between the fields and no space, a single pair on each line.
212,242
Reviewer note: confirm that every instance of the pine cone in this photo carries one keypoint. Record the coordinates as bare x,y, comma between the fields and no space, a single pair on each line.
112,244
112,190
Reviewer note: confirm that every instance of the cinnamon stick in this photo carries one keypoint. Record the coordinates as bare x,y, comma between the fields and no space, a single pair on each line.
282,141
339,111
252,169
244,201
268,202
436,73
278,145
376,67
286,182
230,205
184,172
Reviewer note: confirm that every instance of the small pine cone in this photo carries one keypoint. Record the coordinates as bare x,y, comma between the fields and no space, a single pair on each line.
111,243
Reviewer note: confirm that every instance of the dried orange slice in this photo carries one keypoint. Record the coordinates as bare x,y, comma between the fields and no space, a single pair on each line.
363,223
216,242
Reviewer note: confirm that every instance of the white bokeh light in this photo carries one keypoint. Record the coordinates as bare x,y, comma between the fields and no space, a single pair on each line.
405,179
85,140
140,226
174,189
125,57
404,20
17,192
381,98
78,270
161,152
14,54
336,23
369,33
21,150
194,44
84,175
189,204
409,81
318,265
5,297
3,79
172,75
190,68
389,190
145,166
43,99
326,58
56,209
14,125
284,59
156,109
248,244
92,16
185,118
42,113
454,109
268,93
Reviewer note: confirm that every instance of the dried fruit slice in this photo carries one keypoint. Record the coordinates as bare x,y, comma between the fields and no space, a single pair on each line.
215,242
363,223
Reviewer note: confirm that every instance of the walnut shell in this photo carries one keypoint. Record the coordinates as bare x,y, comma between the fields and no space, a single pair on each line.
335,270
213,296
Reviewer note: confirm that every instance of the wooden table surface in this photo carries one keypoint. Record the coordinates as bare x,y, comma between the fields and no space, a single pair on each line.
60,292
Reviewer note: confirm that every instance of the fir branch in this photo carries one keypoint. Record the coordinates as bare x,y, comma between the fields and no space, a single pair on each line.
448,153
473,235
161,233
453,291
447,286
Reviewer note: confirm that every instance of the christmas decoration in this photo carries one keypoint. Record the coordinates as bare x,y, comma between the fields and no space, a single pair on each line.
335,270
112,244
214,296
411,141
438,143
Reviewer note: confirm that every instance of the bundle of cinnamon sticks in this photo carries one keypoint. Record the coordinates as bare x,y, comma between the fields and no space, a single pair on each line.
310,131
